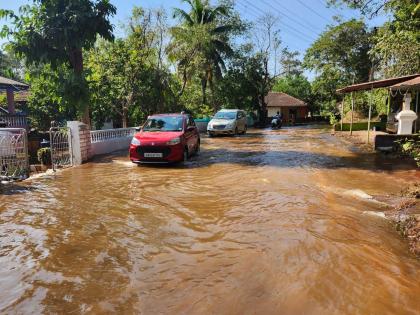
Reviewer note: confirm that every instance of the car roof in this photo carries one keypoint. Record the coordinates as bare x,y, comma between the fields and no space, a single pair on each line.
229,110
170,115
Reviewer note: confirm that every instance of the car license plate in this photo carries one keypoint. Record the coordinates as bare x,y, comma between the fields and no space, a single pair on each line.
153,155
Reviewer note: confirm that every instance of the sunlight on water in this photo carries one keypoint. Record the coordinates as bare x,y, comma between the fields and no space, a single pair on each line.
274,222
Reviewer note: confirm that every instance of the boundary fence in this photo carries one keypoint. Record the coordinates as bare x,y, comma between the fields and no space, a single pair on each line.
61,150
14,159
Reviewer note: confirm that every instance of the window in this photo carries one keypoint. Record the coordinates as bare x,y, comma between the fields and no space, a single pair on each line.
164,123
225,115
191,122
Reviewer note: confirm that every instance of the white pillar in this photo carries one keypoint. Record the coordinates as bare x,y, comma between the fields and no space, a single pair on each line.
75,141
406,117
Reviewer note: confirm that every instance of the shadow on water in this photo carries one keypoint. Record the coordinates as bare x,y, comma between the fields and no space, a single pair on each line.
299,159
14,189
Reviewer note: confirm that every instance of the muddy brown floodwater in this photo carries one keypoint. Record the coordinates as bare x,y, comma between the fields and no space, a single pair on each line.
274,222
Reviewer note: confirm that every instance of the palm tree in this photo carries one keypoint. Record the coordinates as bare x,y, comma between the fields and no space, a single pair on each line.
201,42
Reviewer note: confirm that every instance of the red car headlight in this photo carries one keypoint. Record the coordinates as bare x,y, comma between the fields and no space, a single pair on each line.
135,141
174,141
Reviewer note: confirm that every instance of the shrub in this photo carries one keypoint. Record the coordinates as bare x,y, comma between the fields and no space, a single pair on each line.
411,148
360,126
44,156
333,119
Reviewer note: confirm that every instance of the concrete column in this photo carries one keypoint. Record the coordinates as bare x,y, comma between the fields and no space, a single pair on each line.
10,101
80,142
75,141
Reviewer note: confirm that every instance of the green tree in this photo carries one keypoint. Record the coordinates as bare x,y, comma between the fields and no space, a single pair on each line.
46,102
340,56
56,32
397,42
295,85
128,77
10,66
202,42
290,63
370,8
344,47
243,82
267,42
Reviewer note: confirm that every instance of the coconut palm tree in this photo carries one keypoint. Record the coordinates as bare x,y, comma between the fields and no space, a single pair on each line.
201,42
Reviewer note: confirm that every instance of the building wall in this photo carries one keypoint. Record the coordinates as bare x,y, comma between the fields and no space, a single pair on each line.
85,145
301,112
111,145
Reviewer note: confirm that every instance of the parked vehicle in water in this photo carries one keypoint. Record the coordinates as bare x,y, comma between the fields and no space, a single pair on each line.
276,123
228,122
165,138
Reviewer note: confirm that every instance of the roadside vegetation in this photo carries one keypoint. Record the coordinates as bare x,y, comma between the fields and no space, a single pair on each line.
203,58
411,148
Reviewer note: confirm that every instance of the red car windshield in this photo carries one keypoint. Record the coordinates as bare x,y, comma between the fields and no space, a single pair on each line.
164,123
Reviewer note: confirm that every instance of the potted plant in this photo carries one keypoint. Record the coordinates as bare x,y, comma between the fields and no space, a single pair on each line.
44,157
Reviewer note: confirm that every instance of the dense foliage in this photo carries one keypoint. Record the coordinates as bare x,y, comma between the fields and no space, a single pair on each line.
411,148
10,66
397,42
201,42
55,32
129,79
351,52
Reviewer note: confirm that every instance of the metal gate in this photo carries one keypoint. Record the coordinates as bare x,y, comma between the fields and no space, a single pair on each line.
14,160
61,151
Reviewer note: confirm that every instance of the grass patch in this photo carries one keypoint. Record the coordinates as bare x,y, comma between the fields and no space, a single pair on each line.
361,126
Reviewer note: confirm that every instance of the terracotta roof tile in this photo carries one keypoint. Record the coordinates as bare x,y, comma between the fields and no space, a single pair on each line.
5,82
410,84
279,99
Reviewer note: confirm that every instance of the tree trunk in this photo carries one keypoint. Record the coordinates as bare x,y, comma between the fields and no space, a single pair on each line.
203,90
126,104
76,61
263,111
124,117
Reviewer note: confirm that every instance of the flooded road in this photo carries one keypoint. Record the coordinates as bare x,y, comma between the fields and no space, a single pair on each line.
273,222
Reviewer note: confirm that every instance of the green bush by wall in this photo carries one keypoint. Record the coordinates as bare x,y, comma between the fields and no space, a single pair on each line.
361,126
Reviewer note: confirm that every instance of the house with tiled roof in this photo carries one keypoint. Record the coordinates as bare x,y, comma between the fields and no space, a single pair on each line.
291,108
8,113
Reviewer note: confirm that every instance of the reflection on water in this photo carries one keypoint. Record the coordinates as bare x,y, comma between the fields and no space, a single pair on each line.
269,223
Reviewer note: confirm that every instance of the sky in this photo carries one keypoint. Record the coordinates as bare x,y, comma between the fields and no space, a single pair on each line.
300,21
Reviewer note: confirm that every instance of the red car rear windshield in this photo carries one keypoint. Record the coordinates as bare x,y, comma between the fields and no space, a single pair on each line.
164,123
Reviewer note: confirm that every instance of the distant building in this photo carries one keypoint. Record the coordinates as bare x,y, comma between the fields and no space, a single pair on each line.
9,115
291,108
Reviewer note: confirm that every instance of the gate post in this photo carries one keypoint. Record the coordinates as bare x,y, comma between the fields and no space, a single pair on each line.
80,142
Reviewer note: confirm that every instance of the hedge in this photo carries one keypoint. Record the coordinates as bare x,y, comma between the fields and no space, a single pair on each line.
361,126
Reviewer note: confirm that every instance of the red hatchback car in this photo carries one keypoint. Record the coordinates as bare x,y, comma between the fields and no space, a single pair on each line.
165,138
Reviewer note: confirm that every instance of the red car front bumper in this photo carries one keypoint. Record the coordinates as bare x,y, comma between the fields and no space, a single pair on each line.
169,153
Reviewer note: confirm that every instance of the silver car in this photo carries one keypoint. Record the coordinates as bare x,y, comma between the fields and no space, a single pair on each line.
228,122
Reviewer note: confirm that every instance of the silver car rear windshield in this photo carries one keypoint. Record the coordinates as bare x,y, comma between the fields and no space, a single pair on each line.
225,115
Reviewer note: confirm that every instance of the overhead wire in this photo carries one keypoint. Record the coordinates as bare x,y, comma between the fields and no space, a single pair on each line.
313,11
256,16
302,35
277,3
334,8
